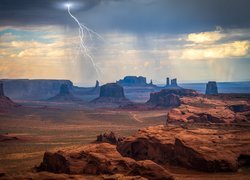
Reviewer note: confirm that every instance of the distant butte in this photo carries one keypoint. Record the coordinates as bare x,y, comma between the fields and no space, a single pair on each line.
64,95
112,94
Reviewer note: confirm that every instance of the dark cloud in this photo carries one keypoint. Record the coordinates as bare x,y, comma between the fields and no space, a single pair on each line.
36,12
136,16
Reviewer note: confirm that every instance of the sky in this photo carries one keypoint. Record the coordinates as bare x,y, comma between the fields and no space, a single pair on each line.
193,40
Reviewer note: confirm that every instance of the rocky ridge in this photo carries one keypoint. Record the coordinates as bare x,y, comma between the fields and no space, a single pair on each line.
96,159
195,148
206,110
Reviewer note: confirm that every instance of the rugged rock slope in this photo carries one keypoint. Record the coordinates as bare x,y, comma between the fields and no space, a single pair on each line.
204,149
99,159
205,110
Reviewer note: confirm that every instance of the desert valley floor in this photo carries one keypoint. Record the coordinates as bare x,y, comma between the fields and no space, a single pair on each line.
30,131
41,129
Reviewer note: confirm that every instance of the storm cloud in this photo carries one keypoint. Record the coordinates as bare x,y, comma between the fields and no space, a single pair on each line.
197,40
150,16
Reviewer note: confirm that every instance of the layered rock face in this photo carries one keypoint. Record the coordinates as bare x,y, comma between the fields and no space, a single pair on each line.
33,89
204,110
5,102
211,88
64,95
202,149
170,97
111,93
99,159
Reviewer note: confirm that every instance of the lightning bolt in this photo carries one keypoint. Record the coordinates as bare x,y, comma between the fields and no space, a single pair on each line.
85,32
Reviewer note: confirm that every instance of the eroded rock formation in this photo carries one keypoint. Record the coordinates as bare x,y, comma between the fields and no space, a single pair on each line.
133,81
211,87
174,82
170,97
112,90
64,95
202,149
205,110
168,100
99,159
111,93
108,138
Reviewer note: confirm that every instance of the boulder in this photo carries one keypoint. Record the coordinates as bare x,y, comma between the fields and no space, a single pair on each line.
99,159
203,149
211,88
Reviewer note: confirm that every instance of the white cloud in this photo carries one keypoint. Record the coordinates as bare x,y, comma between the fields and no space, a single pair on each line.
217,51
205,37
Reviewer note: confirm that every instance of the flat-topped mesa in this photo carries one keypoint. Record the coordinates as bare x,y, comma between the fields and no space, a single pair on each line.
211,87
134,81
113,90
33,89
111,93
